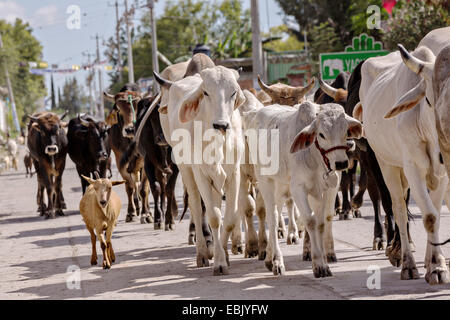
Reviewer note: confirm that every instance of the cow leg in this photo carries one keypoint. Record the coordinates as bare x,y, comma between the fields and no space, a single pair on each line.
170,195
262,235
327,221
357,200
274,258
292,237
393,179
307,247
298,222
103,245
155,187
281,223
144,191
109,247
246,210
59,197
40,192
204,250
338,205
345,189
319,265
213,201
232,220
94,248
131,212
430,205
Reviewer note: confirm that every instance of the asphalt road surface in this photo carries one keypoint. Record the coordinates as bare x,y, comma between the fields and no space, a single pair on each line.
42,259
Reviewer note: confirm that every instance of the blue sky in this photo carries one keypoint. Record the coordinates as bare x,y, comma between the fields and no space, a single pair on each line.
65,47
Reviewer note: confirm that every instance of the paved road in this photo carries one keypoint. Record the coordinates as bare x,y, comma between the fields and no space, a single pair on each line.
35,255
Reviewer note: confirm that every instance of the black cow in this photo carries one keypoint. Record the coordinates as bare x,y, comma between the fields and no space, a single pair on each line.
89,147
162,173
122,120
47,143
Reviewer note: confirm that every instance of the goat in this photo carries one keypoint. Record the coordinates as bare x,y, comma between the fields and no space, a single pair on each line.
100,208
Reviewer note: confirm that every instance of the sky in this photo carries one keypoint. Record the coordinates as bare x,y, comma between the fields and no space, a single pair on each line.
65,47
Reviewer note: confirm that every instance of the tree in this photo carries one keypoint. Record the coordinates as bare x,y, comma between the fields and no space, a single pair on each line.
412,20
20,47
283,40
73,98
53,98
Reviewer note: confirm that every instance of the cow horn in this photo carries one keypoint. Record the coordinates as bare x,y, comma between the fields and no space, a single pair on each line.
108,97
329,90
265,87
33,118
309,87
162,82
240,70
64,115
83,122
414,64
97,176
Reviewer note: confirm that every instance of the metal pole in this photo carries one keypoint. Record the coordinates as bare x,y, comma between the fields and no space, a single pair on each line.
151,6
256,44
119,58
101,111
130,48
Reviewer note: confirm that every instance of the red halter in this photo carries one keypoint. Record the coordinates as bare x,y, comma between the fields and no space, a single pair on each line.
323,152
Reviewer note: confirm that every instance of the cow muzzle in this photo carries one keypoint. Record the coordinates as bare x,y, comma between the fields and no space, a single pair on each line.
128,132
51,150
221,126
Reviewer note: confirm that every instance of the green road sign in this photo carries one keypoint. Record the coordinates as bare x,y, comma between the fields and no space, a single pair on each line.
363,47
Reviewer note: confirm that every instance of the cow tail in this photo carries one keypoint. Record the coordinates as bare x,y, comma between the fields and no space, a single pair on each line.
186,204
408,212
440,244
127,155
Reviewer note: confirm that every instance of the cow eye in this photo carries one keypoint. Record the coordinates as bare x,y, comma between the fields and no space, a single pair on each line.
321,135
206,93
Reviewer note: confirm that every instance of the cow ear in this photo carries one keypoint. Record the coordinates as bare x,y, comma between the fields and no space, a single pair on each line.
240,99
112,118
358,112
35,126
191,106
355,129
91,181
304,138
116,183
163,110
409,100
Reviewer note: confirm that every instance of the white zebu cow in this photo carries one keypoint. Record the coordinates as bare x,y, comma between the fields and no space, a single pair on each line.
312,143
209,101
387,88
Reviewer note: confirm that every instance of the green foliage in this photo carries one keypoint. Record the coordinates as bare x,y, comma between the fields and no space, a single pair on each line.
19,45
288,41
73,98
412,20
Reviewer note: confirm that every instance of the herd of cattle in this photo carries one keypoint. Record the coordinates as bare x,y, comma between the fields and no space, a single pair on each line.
390,115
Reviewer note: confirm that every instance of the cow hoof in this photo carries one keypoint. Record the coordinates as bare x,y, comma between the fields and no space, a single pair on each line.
63,206
236,249
143,220
322,272
331,257
341,216
269,265
357,213
409,273
106,266
281,233
437,276
378,244
221,271
348,216
278,269
251,249
191,239
261,255
93,262
307,256
292,239
157,225
129,218
394,253
202,261
60,213
210,246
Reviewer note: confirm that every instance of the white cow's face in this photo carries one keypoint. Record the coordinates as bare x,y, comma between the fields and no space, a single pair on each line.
215,98
331,128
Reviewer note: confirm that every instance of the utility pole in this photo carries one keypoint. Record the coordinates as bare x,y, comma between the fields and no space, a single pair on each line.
10,93
151,6
90,77
119,57
256,44
101,110
130,48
